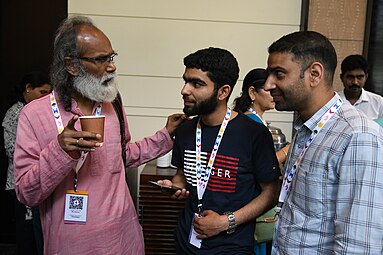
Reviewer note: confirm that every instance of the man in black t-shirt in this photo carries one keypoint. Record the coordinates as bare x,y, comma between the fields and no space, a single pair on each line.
226,164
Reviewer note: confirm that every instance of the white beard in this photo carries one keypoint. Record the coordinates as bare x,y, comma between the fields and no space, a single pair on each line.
102,89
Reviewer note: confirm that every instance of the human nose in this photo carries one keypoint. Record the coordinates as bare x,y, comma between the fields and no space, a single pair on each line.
355,80
269,84
111,67
185,90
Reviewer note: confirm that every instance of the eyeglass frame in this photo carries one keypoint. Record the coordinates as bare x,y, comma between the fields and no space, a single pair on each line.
100,60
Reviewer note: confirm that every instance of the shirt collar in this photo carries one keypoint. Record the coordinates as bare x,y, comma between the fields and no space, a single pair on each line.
314,120
363,97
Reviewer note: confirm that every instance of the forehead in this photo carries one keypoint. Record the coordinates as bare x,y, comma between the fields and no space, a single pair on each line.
194,73
281,60
356,72
91,41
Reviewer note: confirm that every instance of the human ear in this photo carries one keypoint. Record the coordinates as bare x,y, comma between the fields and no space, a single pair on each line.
70,67
251,92
316,73
224,92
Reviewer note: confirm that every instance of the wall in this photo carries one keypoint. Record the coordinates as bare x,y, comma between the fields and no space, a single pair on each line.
153,37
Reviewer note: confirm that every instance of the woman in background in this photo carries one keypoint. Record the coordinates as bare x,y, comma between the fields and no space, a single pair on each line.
253,102
28,227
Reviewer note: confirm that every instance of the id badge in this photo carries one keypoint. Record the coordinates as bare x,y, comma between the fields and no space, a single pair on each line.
193,235
76,205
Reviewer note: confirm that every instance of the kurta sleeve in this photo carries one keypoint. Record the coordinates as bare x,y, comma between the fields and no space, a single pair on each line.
147,149
40,166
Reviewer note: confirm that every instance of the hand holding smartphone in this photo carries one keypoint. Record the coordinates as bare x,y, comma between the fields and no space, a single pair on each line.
164,188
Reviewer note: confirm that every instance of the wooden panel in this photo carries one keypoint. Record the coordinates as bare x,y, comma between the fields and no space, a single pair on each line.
338,19
343,49
343,22
157,212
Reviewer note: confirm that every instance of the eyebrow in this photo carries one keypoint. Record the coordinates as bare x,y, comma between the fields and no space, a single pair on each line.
273,69
195,80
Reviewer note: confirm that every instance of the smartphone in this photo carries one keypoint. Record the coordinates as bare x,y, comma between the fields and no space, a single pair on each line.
165,189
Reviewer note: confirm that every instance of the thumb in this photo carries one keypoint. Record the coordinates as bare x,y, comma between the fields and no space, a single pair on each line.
71,122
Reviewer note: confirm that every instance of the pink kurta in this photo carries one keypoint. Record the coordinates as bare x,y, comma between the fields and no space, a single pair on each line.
43,173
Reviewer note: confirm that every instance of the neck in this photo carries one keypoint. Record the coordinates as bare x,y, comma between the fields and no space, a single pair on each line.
314,105
85,104
352,97
215,118
257,109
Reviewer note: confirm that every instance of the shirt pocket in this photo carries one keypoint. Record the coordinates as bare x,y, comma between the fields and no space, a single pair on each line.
310,194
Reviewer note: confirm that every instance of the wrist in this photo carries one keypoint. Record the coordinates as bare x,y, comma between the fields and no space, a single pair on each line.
232,223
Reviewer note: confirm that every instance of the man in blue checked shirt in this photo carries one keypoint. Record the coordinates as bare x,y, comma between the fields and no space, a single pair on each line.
331,199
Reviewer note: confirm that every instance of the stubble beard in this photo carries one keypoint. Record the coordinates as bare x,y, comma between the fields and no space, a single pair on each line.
102,89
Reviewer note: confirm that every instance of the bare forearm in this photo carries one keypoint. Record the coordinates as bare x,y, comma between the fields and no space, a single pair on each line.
179,179
259,205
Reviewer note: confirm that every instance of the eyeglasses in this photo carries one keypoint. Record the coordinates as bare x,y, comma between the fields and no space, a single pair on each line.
101,60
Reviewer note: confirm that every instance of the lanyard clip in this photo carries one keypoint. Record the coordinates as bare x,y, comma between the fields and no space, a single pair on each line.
278,209
75,181
199,207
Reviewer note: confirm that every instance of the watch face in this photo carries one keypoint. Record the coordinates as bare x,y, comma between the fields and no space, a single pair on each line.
231,217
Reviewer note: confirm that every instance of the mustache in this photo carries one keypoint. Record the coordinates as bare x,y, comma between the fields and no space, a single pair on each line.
105,79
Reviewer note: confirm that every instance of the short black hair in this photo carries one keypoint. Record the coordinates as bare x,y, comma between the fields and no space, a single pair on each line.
220,64
354,62
307,47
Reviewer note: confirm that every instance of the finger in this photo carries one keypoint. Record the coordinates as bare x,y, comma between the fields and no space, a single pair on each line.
71,122
202,236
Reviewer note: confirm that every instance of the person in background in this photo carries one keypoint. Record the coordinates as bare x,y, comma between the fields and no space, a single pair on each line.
28,227
79,184
354,74
253,102
331,195
226,163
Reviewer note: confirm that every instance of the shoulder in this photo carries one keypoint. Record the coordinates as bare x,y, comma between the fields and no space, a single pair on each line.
188,126
13,112
38,105
352,121
244,125
373,96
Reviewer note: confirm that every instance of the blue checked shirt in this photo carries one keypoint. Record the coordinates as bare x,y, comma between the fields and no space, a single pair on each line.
335,202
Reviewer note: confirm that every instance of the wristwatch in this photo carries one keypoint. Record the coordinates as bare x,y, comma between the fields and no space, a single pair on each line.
232,224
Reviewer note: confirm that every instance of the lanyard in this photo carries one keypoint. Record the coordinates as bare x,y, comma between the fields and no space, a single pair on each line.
290,175
254,112
60,128
203,180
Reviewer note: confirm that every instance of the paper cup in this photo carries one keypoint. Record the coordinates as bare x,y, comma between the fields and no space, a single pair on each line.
164,161
93,124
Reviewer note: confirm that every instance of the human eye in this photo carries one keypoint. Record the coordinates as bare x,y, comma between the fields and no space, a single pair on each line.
279,74
102,59
360,77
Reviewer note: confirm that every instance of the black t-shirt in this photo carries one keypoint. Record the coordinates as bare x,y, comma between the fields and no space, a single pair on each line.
245,158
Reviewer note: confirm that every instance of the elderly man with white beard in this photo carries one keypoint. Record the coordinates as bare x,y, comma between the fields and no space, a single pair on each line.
78,184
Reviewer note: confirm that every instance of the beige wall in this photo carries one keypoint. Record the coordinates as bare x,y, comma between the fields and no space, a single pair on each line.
152,37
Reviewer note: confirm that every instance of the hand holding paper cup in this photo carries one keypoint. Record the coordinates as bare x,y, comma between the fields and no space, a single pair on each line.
93,123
